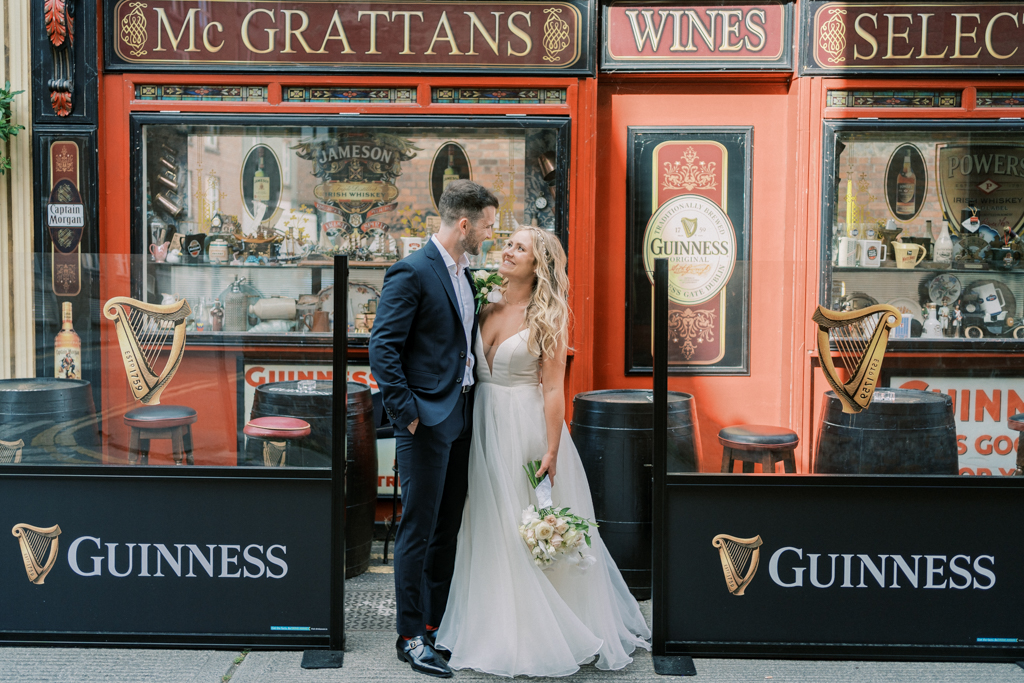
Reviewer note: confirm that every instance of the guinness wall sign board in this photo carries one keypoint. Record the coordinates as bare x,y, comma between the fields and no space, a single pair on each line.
529,37
212,558
641,37
928,38
857,566
687,194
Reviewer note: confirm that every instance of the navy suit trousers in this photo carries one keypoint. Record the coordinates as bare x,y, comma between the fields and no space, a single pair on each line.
433,469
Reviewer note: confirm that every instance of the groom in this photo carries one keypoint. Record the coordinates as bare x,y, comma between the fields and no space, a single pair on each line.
421,354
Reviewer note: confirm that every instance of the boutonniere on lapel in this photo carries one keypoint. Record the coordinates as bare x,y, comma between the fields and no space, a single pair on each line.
488,288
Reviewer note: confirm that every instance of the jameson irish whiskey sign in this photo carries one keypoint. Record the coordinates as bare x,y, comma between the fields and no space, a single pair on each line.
320,35
688,195
686,37
911,38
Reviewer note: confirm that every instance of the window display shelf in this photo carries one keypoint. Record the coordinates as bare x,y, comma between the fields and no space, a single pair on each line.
901,194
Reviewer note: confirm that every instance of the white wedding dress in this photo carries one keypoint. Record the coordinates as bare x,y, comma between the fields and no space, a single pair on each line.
505,615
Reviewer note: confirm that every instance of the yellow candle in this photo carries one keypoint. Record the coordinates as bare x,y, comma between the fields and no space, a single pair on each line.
849,203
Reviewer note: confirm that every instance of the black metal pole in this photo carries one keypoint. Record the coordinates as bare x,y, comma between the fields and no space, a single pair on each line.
664,664
659,366
334,657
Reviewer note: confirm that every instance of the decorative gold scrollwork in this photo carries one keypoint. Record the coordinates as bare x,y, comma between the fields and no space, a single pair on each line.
133,29
832,36
556,34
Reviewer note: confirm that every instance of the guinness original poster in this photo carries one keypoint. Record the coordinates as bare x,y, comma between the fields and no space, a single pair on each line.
687,195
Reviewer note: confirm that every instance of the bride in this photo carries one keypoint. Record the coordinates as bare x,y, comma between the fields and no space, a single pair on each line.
505,615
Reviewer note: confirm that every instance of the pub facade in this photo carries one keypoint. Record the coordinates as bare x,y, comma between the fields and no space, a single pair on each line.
190,174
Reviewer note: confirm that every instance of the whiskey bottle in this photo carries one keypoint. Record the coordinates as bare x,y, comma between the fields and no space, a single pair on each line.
67,348
450,173
906,188
260,183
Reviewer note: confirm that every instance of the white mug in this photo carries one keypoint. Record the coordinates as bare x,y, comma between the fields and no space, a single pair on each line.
991,300
847,252
871,253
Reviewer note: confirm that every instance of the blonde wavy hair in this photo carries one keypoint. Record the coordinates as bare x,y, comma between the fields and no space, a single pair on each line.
547,316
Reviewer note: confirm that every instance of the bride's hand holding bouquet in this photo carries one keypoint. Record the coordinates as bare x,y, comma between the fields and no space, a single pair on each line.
552,533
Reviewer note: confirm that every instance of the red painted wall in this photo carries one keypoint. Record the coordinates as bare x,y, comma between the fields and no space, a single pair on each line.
770,395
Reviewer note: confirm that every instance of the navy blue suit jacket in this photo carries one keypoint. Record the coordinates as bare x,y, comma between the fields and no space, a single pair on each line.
418,345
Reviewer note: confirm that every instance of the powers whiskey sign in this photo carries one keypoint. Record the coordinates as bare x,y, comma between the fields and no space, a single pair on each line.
232,35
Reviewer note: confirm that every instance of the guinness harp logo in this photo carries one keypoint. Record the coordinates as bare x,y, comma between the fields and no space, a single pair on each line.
739,560
38,549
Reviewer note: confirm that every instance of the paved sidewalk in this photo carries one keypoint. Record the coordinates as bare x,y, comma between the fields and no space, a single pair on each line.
370,657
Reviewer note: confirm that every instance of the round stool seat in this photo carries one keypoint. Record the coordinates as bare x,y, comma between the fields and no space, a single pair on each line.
1016,422
160,416
276,427
758,437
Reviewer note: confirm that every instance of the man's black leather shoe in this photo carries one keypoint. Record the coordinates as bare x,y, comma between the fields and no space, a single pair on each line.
422,657
432,639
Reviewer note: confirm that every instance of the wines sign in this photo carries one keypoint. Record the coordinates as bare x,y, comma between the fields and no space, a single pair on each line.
688,37
911,38
232,35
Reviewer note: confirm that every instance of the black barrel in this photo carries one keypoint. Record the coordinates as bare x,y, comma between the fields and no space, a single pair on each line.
285,399
903,431
612,431
56,418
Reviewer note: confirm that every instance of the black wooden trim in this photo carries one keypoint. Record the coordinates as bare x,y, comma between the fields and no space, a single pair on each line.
84,102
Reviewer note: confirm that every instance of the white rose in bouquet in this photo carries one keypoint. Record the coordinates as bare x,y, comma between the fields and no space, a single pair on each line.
530,516
493,296
544,531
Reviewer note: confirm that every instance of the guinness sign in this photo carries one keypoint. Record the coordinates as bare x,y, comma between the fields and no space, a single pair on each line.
700,243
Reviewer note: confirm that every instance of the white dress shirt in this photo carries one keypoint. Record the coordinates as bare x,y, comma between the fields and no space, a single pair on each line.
467,305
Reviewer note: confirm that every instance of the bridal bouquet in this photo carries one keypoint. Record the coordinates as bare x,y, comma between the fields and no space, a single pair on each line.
488,288
553,533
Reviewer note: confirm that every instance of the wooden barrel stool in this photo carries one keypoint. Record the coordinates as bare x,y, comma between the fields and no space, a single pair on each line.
275,432
758,443
1016,423
160,422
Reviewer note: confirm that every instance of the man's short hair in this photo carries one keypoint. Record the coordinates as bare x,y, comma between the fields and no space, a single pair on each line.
464,199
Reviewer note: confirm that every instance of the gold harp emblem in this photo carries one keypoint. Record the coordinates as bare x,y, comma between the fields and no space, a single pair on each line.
142,330
859,337
740,557
689,226
38,549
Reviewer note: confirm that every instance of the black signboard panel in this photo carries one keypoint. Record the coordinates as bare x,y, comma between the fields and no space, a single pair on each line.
883,566
206,558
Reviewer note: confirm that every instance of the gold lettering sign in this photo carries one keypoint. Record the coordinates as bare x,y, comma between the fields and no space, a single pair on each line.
337,191
531,34
848,37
